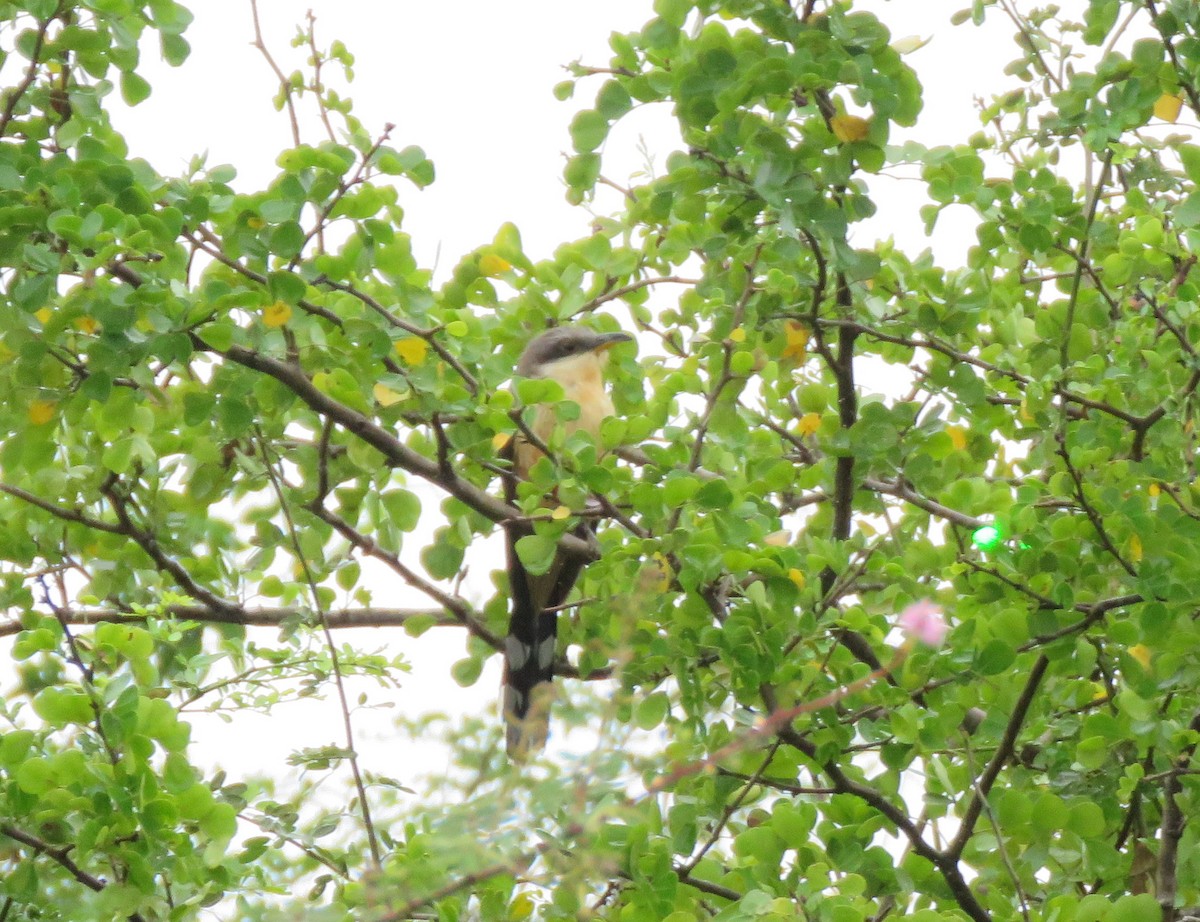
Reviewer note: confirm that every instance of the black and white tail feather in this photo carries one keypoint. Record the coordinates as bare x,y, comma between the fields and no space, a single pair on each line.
532,643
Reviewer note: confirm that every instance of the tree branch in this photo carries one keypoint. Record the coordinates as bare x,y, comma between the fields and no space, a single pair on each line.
14,95
395,451
68,515
61,855
148,542
1004,752
248,617
1173,823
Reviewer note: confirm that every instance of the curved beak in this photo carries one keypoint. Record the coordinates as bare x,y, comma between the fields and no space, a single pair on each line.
608,340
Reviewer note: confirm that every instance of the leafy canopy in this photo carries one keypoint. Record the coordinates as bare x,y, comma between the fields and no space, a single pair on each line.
226,408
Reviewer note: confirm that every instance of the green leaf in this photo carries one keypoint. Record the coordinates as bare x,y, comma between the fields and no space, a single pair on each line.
286,239
715,494
466,671
1086,820
582,171
286,286
611,103
35,776
170,17
1140,908
673,12
652,710
994,658
219,823
589,128
1187,212
118,455
236,416
60,707
15,746
175,49
134,88
403,509
348,575
218,335
680,489
532,391
537,552
442,558
410,162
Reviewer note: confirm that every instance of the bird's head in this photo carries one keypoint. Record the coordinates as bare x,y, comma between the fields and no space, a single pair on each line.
564,346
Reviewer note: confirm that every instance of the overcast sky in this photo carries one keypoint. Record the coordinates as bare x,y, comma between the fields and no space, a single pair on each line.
471,83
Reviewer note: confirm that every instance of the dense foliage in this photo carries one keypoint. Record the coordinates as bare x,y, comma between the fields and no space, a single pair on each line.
219,403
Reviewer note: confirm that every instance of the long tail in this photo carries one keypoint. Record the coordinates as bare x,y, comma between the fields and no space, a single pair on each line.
531,645
529,652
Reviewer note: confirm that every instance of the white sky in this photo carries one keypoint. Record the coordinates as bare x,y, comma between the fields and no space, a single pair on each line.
471,83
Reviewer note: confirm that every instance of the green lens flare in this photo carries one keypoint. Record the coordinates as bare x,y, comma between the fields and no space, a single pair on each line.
987,537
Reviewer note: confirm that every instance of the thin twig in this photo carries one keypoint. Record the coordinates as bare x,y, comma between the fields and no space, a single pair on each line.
284,83
14,95
334,658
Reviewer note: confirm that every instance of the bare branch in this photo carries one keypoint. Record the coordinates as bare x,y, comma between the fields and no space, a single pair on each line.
284,85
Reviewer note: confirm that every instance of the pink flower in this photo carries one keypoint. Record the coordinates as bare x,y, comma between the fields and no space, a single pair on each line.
923,620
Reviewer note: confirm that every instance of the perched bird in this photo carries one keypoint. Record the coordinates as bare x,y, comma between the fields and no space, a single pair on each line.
574,357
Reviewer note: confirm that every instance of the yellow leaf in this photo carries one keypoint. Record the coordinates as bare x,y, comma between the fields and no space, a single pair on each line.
560,513
958,437
254,222
664,567
737,336
797,577
1135,548
797,340
909,44
1154,489
1099,692
1168,106
385,395
499,440
87,324
809,423
41,412
1141,653
778,539
847,128
276,315
521,907
492,265
43,315
655,575
412,350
